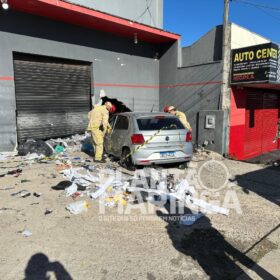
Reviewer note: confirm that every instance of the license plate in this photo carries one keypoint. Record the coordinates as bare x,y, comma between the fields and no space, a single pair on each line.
167,154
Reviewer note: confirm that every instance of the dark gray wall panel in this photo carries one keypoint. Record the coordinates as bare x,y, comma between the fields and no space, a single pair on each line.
205,50
190,99
8,137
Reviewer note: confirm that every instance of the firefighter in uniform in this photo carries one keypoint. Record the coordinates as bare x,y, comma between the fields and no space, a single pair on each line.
180,115
98,126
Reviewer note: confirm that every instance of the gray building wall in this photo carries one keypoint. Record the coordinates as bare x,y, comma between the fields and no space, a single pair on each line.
149,12
114,60
205,50
198,89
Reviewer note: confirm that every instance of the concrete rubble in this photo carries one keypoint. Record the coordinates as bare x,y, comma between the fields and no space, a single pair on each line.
79,187
85,179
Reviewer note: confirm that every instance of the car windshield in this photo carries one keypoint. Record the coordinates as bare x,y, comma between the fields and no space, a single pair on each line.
157,123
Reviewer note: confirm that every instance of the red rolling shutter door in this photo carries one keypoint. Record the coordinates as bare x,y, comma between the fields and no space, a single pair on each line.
262,113
270,119
253,131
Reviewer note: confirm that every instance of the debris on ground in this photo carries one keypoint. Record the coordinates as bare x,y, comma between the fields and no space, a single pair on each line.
76,195
61,186
15,173
25,181
179,191
7,155
87,146
82,179
48,211
3,157
34,156
207,206
71,190
7,189
26,233
202,154
37,194
80,176
102,188
22,193
34,146
77,207
63,165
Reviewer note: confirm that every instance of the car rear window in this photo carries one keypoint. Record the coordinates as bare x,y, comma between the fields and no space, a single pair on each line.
157,123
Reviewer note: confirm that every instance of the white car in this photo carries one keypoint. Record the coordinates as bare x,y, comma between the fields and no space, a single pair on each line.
148,138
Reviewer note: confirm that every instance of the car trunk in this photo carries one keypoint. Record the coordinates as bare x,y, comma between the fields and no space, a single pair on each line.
162,131
165,138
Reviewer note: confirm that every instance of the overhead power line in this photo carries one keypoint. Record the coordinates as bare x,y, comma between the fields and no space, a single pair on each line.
258,5
145,11
148,6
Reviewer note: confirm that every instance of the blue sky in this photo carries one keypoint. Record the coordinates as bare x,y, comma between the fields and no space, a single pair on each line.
193,18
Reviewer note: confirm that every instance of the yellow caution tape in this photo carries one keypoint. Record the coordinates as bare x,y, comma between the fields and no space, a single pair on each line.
147,141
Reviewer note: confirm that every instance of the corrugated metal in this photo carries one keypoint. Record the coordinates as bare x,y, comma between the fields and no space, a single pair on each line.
254,124
52,96
270,120
262,112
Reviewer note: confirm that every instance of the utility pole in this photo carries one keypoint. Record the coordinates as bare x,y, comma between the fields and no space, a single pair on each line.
225,94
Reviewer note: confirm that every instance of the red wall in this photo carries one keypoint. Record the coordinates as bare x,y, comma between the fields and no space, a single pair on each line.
245,141
237,123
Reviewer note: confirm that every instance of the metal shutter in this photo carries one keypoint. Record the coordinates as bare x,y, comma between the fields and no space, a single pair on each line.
262,113
254,125
270,120
52,96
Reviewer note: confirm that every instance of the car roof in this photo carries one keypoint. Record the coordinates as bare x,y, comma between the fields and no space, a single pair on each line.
145,114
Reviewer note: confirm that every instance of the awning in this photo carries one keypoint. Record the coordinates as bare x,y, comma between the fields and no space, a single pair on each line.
89,18
275,86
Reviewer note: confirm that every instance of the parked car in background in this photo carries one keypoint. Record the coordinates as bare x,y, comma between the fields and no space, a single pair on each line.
162,139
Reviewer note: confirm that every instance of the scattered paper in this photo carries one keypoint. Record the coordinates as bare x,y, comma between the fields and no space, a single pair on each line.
71,190
26,233
102,188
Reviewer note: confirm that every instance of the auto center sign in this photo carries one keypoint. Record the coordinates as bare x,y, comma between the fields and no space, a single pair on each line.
260,63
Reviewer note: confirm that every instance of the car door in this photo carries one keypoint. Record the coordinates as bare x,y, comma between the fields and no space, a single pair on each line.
108,136
119,134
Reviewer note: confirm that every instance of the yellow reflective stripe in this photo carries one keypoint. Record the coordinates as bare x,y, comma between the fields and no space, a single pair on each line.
146,142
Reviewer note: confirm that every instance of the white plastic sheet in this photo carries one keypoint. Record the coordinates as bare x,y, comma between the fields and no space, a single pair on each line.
71,190
34,156
183,192
102,188
77,207
83,180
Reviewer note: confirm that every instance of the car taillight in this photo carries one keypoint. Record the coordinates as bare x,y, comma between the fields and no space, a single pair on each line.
137,139
189,137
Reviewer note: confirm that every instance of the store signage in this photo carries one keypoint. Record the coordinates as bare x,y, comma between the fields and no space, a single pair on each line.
260,63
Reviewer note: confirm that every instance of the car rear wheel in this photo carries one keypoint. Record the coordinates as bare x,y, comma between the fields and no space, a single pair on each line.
126,160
